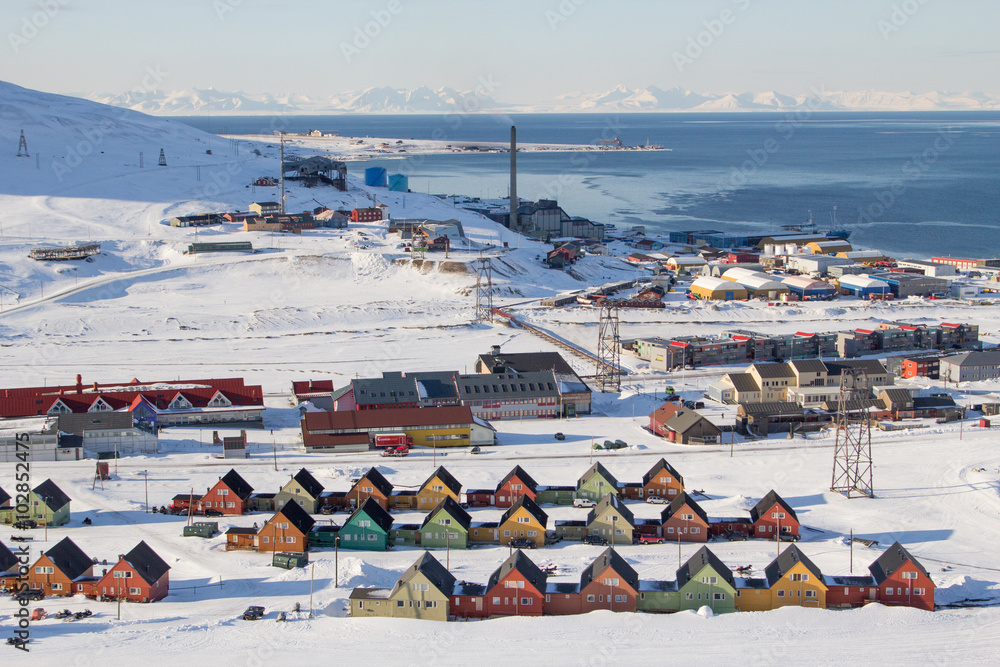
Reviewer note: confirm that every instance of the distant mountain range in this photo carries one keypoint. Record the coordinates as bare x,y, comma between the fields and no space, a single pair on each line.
619,99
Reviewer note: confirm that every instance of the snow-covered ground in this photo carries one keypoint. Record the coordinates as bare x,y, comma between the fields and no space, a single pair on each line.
333,304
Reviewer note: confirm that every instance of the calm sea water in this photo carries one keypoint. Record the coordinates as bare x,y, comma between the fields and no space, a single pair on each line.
910,183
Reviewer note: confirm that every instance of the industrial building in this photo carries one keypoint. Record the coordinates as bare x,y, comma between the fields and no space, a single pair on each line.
863,256
817,265
828,247
911,284
808,289
759,285
864,286
933,269
971,366
717,289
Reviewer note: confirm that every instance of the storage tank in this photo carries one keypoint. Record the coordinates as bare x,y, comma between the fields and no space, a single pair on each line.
375,177
399,183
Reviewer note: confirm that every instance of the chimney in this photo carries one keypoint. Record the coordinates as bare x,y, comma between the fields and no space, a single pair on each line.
95,386
513,224
495,350
79,383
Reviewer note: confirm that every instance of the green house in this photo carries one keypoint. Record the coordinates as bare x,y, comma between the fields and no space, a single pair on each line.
47,505
367,529
596,483
612,520
657,596
555,495
446,526
705,581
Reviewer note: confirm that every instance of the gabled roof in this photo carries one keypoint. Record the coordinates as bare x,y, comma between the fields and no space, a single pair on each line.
808,365
898,398
146,563
685,420
69,558
527,362
599,469
518,472
377,480
894,557
308,483
528,504
699,560
678,503
870,366
662,465
296,516
785,561
772,408
237,484
446,478
452,509
51,495
390,388
373,511
743,382
7,559
773,370
665,411
767,502
610,557
608,501
435,572
525,566
4,497
932,402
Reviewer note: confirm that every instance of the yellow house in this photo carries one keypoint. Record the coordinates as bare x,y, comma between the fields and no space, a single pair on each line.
752,595
303,489
523,521
440,485
422,592
794,580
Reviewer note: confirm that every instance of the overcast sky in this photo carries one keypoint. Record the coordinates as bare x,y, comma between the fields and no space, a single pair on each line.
533,50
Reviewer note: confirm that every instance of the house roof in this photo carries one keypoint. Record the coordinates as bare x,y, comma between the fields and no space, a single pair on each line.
377,480
435,572
767,502
7,559
894,557
609,557
898,398
296,516
452,509
146,563
608,501
77,423
69,558
525,566
869,366
966,359
238,530
785,561
698,561
598,469
390,388
518,472
678,503
4,497
808,365
308,483
528,504
51,495
485,386
772,408
237,484
436,385
743,382
658,467
363,420
685,420
373,511
773,370
932,402
446,478
665,411
527,362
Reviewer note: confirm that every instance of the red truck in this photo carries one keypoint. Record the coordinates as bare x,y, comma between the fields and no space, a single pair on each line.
393,440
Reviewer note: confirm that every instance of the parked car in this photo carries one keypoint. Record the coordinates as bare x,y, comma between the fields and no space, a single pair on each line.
253,613
213,513
595,539
651,539
522,543
30,594
560,436
657,500
25,524
584,502
475,450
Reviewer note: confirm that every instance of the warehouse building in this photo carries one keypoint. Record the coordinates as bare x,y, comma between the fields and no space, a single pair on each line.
808,289
759,285
864,286
933,269
717,289
911,284
863,256
452,426
815,265
831,247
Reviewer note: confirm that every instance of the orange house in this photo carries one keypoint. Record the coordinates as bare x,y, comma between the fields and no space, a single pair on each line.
609,583
683,520
229,495
287,530
662,481
58,571
516,588
517,483
901,580
373,485
138,576
773,516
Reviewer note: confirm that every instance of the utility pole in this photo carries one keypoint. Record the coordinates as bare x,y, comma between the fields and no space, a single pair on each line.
274,446
145,479
312,577
281,171
336,561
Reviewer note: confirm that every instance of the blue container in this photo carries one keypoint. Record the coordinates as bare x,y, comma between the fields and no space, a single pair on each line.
399,183
375,177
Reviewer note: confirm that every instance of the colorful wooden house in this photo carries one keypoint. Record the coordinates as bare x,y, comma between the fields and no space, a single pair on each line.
849,591
287,530
484,532
230,495
4,499
468,600
562,598
58,571
138,576
373,485
440,485
446,527
902,580
612,520
47,505
596,483
422,592
303,489
184,502
683,520
524,520
658,418
241,539
516,588
704,580
516,484
794,580
772,517
662,481
367,528
609,583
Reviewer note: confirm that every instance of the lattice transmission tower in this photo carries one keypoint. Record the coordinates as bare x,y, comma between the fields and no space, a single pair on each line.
852,454
609,370
484,289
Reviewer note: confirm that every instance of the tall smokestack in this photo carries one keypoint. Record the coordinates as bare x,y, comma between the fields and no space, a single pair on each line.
513,178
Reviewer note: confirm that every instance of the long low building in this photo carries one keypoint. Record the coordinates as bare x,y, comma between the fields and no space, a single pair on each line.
452,426
808,289
717,289
38,437
757,284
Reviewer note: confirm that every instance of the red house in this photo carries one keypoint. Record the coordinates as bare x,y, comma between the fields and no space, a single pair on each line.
229,495
516,588
468,600
683,520
902,580
659,417
609,583
511,488
366,214
842,592
138,576
772,516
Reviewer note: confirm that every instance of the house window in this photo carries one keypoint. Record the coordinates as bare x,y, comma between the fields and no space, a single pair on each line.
611,581
134,591
57,586
689,596
420,587
497,600
710,580
548,598
909,575
526,601
781,593
230,505
670,530
506,533
523,519
810,593
399,603
372,537
720,596
695,530
919,591
444,522
44,570
590,598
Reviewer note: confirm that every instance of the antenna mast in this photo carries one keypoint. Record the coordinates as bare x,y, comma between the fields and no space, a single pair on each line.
852,453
